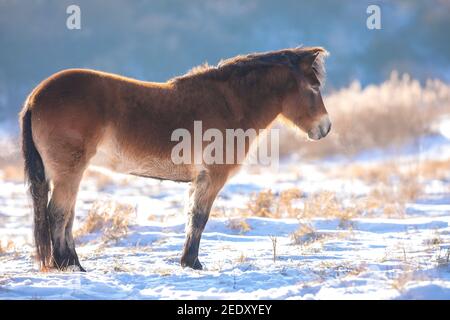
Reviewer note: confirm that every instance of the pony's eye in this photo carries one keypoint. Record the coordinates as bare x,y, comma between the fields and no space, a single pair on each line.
315,87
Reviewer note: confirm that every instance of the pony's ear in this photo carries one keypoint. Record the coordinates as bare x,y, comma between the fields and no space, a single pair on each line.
312,62
308,61
311,55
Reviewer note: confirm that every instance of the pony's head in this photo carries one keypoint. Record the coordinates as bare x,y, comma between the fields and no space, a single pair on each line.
304,106
302,74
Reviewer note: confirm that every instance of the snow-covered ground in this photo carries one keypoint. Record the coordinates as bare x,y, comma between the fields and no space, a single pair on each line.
375,257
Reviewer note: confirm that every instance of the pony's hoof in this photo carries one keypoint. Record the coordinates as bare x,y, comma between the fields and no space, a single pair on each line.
196,265
74,268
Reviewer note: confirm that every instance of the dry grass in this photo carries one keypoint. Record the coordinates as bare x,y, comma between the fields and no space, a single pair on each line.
284,206
391,198
163,272
435,244
305,234
261,204
326,204
11,162
338,270
12,172
379,202
434,169
378,116
271,205
443,259
218,212
10,247
407,176
242,258
110,217
392,185
385,198
274,241
407,276
239,224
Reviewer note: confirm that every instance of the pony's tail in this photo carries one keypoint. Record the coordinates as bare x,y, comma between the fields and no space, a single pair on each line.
38,188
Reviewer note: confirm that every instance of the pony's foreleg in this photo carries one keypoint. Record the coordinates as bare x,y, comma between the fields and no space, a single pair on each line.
201,197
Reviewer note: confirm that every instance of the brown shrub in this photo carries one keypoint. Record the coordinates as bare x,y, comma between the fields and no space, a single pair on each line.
305,234
10,246
239,224
325,204
434,169
270,205
110,217
261,204
393,184
12,172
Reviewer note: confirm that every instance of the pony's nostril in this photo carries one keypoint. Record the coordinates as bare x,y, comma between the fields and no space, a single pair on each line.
325,128
322,131
329,127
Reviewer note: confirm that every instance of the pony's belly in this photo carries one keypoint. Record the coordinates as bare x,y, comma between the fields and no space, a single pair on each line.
116,159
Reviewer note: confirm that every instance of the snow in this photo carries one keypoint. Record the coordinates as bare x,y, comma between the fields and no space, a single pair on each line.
375,258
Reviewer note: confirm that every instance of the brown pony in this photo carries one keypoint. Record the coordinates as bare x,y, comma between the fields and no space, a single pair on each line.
77,114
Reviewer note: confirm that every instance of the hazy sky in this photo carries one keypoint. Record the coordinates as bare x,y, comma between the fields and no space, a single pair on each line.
158,39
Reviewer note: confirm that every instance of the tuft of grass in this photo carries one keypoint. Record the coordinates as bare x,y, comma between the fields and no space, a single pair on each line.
434,169
391,188
242,258
261,204
284,205
443,260
326,204
435,241
305,234
338,270
392,184
274,240
270,205
239,224
218,211
10,247
110,217
401,281
163,272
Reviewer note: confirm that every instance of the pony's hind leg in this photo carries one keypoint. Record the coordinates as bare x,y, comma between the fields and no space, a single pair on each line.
61,215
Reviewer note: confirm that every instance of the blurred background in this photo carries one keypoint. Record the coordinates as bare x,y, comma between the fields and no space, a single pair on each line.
158,39
386,157
374,76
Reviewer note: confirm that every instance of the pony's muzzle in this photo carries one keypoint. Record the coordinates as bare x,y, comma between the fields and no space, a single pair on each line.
322,128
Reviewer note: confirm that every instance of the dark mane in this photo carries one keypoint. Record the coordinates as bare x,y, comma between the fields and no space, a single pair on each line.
243,63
